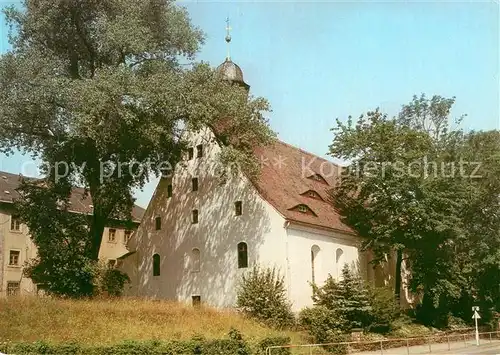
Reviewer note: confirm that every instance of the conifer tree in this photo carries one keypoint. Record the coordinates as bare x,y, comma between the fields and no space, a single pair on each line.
353,299
349,296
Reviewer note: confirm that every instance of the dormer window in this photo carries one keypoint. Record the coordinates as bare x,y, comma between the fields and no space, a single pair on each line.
302,208
319,178
312,194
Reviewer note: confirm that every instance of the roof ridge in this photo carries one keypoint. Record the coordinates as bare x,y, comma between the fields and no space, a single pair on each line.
306,152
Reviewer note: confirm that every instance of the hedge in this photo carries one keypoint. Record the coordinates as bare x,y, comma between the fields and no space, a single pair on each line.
232,346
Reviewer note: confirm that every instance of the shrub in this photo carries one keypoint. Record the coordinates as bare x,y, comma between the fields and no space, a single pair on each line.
262,295
273,341
384,310
110,281
322,324
234,345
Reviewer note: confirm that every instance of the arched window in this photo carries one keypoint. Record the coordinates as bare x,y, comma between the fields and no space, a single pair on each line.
242,255
339,261
156,265
314,260
195,260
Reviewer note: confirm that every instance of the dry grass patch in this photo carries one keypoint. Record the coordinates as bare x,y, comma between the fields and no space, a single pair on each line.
111,321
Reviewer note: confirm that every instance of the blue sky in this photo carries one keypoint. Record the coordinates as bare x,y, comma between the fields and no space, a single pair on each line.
317,61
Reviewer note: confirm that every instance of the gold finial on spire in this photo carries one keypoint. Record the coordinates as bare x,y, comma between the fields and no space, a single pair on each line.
228,38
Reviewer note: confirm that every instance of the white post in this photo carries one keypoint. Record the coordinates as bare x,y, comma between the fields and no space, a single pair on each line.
477,332
476,316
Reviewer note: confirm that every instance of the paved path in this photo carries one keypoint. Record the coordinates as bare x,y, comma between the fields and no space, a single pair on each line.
442,348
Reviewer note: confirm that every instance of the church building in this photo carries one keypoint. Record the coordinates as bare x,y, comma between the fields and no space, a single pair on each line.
199,234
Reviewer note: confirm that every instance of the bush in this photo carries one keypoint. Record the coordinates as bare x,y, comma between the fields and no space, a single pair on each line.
273,341
262,295
323,324
110,281
384,310
234,345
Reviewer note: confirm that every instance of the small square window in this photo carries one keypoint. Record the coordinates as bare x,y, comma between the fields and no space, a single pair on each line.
126,236
112,235
169,190
158,223
199,151
196,301
238,208
194,183
14,257
190,153
195,216
15,223
13,288
111,263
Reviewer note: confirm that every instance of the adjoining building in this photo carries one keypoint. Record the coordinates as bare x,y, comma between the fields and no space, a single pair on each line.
16,246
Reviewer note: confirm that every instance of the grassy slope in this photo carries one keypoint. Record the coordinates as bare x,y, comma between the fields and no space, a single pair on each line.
111,321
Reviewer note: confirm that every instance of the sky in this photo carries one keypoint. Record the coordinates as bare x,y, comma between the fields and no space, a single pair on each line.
321,60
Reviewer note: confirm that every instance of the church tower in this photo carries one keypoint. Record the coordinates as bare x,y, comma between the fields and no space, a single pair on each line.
228,69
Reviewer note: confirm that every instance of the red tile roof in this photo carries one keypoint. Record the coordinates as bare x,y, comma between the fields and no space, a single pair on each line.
78,201
288,172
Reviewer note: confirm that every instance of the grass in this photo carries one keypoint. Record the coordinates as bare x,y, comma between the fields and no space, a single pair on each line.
110,321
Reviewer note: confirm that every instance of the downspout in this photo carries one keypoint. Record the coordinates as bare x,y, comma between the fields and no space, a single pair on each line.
287,271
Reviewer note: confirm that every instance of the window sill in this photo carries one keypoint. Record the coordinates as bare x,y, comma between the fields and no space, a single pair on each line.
16,231
13,266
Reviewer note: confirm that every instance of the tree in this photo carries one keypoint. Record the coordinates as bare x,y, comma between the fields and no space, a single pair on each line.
262,295
397,191
60,267
477,255
429,192
102,91
349,297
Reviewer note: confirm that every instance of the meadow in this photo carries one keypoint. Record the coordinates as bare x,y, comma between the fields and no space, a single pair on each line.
109,321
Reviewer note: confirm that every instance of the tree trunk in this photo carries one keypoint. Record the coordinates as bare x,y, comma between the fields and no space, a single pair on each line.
96,232
397,278
99,217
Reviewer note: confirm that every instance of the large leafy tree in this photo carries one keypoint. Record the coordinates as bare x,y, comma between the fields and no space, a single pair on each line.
60,267
430,193
102,91
397,191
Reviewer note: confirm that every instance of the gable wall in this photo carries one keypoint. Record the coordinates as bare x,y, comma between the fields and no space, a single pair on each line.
301,240
216,235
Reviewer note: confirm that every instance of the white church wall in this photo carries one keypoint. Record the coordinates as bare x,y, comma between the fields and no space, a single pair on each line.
216,235
331,251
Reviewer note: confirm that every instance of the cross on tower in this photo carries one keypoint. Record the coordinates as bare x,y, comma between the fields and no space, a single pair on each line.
228,38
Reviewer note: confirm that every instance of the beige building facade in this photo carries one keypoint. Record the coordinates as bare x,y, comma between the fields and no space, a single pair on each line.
16,246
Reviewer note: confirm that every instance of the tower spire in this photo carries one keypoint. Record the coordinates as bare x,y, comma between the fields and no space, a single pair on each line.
228,38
